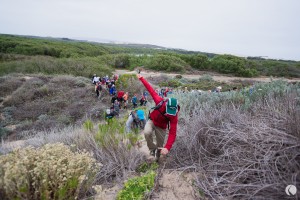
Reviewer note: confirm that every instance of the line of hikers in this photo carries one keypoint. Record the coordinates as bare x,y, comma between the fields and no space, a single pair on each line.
163,115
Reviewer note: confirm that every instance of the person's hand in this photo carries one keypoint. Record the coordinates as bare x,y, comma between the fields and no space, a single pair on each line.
164,151
139,76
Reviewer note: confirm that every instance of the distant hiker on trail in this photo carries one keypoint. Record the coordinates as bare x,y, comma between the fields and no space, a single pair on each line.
166,92
115,77
134,101
112,90
109,113
143,101
116,106
96,79
98,89
218,89
125,98
165,113
138,118
93,78
113,99
120,95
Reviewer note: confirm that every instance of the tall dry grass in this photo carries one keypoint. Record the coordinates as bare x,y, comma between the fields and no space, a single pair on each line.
242,145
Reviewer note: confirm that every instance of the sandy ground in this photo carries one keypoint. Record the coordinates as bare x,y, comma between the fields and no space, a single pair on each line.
175,185
220,78
172,185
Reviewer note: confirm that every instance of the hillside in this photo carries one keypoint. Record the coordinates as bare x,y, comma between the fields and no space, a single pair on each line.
240,143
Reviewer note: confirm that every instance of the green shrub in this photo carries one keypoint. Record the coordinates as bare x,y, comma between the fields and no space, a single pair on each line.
130,83
206,77
178,76
174,83
166,63
50,172
85,67
235,65
137,187
111,133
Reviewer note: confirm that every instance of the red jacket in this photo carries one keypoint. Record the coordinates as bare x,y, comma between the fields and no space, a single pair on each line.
121,94
158,119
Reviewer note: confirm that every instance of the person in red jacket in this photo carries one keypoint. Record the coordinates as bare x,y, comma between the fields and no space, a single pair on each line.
160,118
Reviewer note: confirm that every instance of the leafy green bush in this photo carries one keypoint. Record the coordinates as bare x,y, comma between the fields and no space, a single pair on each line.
206,77
235,65
166,63
197,61
54,48
137,187
50,172
85,67
130,83
111,133
174,83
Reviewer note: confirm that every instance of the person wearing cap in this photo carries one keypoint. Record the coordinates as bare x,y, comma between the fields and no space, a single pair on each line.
165,114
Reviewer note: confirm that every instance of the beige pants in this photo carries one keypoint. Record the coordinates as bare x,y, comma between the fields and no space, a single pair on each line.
159,134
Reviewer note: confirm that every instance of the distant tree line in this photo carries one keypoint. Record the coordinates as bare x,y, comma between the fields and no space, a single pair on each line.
130,56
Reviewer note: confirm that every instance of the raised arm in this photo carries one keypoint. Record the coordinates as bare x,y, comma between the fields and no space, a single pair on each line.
152,92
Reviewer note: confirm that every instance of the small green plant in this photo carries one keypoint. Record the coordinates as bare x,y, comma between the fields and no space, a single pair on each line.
137,187
111,133
133,138
144,167
88,125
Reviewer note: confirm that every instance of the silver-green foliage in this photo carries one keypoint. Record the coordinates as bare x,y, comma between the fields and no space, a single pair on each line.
243,144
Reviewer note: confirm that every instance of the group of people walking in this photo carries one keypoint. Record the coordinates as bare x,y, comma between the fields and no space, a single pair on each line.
162,117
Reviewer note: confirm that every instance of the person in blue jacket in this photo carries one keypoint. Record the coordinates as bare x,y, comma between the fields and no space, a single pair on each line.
134,101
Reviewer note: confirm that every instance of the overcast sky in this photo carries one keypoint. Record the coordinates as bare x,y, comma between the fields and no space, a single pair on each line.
240,27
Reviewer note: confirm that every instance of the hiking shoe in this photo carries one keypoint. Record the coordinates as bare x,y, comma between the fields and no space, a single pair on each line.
152,152
155,153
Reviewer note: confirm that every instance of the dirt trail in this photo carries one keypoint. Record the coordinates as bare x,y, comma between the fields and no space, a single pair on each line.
175,185
172,184
220,78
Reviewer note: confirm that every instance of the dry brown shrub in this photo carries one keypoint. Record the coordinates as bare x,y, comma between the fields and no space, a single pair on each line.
9,84
243,154
72,97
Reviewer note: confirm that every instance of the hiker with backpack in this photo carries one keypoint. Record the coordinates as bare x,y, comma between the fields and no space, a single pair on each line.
120,95
143,100
165,114
134,101
113,99
112,90
136,118
116,106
